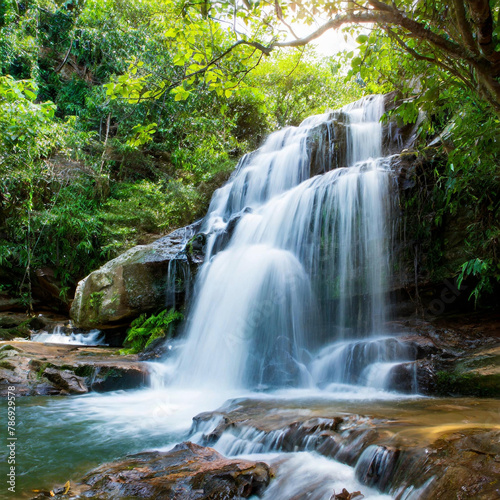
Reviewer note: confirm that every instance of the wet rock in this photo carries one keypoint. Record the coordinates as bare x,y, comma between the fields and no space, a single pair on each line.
455,355
187,472
65,380
327,145
48,289
345,495
224,236
132,284
376,465
460,464
158,349
8,303
420,446
51,369
14,325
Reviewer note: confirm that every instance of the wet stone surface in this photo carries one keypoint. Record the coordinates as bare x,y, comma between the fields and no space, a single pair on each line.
187,472
449,449
55,369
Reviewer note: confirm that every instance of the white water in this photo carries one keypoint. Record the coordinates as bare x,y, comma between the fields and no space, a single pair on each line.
293,300
308,475
303,276
93,337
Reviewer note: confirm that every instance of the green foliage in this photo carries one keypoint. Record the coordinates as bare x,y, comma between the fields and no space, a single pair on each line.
25,125
484,274
464,181
299,84
119,119
144,330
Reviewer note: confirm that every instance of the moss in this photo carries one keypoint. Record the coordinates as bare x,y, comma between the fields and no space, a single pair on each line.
95,302
196,243
84,371
467,384
6,365
6,334
19,331
9,347
42,368
481,361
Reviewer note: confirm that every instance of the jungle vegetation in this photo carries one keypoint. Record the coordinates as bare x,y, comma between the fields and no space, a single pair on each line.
119,119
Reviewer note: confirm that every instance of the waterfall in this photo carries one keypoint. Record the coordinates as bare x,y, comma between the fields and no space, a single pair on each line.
295,263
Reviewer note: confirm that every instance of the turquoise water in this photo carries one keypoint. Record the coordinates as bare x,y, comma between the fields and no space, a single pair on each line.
62,438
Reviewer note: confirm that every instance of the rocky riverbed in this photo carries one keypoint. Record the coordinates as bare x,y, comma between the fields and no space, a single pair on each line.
431,448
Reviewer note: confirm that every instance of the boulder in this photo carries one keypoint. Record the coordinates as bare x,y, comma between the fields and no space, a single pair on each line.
187,472
135,282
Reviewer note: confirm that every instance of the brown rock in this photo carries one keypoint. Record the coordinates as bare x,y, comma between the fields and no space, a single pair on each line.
51,369
188,472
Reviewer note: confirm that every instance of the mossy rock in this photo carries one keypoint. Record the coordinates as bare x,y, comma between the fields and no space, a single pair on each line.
468,384
132,284
7,333
9,347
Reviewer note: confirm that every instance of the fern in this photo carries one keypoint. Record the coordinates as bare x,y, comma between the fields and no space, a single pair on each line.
143,330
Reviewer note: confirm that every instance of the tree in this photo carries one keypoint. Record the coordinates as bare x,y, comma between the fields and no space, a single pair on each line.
461,37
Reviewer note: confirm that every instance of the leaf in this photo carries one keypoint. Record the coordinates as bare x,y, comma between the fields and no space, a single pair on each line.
361,39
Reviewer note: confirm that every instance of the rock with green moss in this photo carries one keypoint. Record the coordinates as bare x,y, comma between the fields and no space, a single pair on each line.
474,375
135,282
53,369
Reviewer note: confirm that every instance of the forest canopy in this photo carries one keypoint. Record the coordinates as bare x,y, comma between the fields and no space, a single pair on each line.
119,119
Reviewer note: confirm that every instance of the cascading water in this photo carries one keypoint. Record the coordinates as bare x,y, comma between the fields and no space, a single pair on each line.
296,263
291,295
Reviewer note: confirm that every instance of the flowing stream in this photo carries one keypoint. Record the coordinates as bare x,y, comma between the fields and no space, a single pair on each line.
290,303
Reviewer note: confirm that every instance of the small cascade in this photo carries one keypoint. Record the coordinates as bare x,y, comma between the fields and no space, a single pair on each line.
305,475
63,335
366,362
324,445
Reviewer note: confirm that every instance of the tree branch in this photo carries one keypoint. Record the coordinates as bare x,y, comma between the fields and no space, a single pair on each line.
464,27
279,15
337,22
60,67
432,60
482,18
